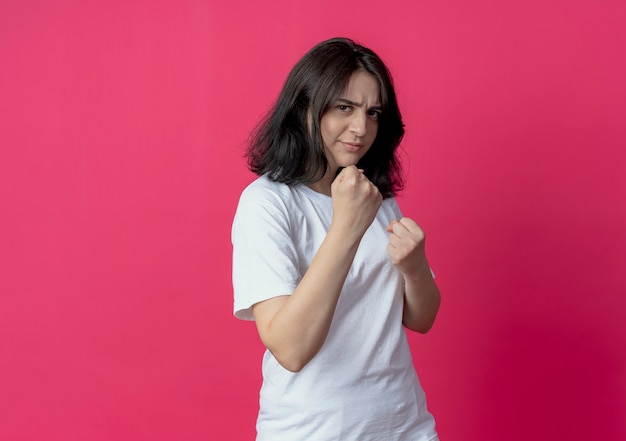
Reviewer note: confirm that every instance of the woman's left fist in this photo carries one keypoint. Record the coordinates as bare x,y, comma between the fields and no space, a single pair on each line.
406,246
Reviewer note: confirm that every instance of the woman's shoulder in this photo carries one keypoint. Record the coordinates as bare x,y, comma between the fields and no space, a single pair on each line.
266,205
265,191
391,205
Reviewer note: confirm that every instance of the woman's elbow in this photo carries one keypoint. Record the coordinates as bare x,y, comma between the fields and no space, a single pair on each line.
292,362
421,327
422,323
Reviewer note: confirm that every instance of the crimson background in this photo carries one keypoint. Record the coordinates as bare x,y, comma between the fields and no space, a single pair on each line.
122,125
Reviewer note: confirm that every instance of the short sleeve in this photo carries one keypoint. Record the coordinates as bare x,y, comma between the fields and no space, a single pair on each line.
265,261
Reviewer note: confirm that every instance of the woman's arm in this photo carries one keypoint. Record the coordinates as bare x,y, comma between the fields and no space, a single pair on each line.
421,297
295,327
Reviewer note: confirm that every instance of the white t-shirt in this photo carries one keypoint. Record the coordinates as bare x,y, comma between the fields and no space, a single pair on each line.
362,384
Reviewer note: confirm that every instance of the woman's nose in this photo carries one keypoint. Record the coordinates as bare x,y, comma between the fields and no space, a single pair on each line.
358,124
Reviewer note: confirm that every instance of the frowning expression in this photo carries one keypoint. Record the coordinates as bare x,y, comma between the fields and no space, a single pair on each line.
350,123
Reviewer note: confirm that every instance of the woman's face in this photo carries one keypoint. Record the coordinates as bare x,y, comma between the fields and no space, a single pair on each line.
350,123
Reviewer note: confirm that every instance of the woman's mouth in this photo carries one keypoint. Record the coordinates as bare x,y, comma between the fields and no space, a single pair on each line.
353,146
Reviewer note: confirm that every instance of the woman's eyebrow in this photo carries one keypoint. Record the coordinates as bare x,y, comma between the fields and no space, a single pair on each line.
355,104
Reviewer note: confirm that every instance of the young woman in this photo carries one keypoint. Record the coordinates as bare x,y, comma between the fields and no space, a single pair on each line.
324,262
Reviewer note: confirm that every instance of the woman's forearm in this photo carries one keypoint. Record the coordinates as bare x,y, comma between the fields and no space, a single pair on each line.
295,327
421,301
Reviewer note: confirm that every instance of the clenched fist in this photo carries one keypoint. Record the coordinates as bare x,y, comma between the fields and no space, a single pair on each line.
407,246
355,201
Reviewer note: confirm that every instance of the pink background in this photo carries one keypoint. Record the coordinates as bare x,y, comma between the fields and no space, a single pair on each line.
122,125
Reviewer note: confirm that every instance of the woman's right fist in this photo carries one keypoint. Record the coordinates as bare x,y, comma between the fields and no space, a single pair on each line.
355,200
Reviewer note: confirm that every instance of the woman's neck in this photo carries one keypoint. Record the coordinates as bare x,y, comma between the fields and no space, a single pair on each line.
324,184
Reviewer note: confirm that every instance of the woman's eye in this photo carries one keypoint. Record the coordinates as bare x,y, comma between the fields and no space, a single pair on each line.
374,114
343,107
